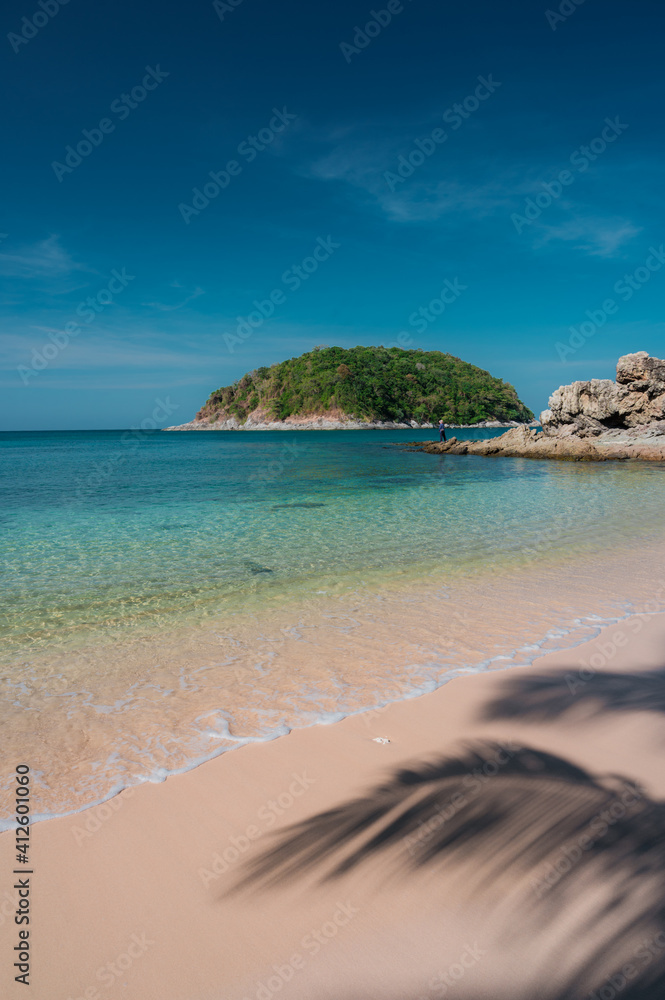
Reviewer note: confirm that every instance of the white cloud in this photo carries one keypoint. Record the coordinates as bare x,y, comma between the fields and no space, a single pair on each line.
138,348
104,350
596,236
426,202
45,259
415,199
479,188
163,307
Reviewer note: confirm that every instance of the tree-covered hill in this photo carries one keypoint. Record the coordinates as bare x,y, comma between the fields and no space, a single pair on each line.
369,383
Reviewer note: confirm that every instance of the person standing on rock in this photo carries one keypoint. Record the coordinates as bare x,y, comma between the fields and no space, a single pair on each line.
442,431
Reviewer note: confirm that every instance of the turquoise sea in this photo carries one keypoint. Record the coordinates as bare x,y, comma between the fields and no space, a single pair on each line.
113,537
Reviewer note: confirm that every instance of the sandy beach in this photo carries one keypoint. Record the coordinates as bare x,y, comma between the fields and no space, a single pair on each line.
500,844
358,695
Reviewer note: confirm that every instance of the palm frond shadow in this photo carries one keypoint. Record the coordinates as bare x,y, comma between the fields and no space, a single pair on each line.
545,697
499,813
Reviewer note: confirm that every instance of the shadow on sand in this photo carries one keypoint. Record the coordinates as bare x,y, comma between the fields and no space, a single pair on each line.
499,816
546,697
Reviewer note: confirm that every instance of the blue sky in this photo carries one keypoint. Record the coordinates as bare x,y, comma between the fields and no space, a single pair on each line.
151,291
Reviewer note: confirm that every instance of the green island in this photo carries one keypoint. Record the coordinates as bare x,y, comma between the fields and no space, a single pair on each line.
368,384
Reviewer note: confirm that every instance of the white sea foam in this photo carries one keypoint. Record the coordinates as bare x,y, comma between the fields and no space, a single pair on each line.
217,724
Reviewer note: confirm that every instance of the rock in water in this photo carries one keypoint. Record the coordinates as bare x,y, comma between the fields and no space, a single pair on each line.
593,421
291,506
255,568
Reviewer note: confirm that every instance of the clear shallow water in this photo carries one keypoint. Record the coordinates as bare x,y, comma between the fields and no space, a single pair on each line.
117,555
98,535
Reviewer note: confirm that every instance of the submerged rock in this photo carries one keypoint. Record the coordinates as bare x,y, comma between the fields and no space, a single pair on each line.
290,506
255,568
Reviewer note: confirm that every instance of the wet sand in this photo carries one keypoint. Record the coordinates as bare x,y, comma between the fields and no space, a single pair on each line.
113,714
464,876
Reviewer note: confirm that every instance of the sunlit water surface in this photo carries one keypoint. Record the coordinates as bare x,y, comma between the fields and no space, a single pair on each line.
173,595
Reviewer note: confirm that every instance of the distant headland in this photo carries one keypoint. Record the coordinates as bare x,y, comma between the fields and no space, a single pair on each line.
362,387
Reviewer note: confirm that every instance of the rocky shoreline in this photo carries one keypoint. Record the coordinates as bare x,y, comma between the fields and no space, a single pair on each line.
327,424
647,444
593,421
